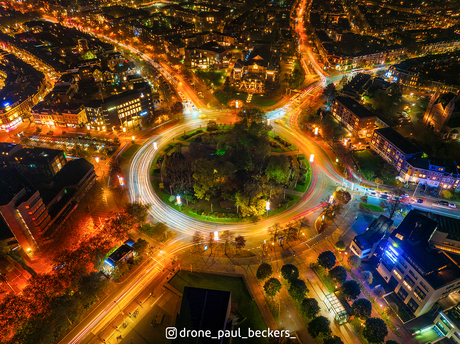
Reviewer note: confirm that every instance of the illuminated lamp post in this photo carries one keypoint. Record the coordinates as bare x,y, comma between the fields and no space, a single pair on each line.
267,207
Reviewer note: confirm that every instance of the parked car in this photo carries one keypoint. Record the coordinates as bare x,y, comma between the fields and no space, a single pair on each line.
452,205
444,203
420,200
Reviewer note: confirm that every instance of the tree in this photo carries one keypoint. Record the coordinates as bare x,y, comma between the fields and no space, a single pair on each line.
278,169
227,238
298,289
333,340
210,241
319,326
309,308
212,126
354,261
88,136
240,242
389,172
362,308
338,273
289,272
364,199
340,245
392,206
64,133
264,271
272,286
141,246
367,277
327,131
275,231
351,289
326,259
379,291
330,92
197,240
138,211
375,330
343,197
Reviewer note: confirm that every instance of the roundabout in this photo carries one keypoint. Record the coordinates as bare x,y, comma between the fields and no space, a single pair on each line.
324,179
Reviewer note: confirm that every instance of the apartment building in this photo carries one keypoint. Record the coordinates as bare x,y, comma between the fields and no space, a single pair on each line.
432,172
23,213
393,147
357,118
418,272
71,115
124,110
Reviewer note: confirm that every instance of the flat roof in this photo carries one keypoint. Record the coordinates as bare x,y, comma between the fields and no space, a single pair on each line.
398,140
412,237
203,309
11,183
359,110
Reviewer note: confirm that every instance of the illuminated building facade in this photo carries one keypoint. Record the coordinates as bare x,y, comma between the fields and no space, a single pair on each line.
393,147
124,110
69,115
356,117
418,272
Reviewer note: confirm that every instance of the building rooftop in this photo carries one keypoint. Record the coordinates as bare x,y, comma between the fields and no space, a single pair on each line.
11,183
374,232
355,107
120,252
203,309
412,238
7,147
430,163
31,155
356,84
70,175
398,140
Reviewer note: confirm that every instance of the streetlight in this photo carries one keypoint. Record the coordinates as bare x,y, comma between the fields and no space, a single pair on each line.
267,207
316,130
178,200
155,145
133,137
124,129
216,235
312,157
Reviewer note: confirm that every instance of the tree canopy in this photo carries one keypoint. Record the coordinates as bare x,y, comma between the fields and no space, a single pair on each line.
338,273
326,259
309,308
264,271
289,272
375,330
272,286
362,308
298,289
319,326
351,289
278,169
333,340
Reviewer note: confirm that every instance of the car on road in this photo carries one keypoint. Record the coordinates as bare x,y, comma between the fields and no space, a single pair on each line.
420,200
444,203
452,205
384,196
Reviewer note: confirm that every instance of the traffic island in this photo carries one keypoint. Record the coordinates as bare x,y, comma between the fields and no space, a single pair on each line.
228,174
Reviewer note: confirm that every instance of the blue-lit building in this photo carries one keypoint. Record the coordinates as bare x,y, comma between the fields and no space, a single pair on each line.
124,252
364,245
419,273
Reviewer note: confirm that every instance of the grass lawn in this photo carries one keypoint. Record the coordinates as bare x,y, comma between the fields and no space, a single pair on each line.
128,154
263,100
217,78
368,163
323,276
372,207
247,307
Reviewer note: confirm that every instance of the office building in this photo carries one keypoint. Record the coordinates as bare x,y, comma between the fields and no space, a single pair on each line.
357,118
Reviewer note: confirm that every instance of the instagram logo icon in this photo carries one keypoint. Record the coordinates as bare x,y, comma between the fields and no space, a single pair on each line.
171,333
